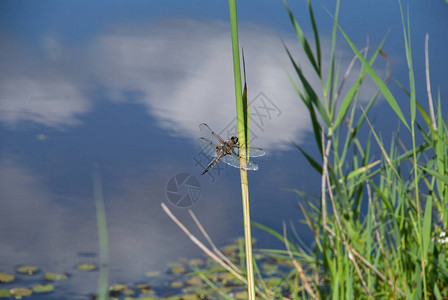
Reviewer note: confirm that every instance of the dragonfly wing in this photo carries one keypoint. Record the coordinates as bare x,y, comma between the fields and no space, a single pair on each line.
207,147
210,135
233,160
251,166
253,152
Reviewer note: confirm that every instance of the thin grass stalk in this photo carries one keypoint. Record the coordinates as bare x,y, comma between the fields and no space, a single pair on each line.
428,85
243,136
212,244
215,256
421,240
102,235
302,275
198,243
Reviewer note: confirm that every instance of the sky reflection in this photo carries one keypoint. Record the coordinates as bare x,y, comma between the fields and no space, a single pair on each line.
175,69
125,84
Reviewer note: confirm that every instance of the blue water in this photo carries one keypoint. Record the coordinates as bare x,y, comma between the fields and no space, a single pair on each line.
125,84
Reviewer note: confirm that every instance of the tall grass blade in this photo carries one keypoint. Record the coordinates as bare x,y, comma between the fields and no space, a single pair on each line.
328,90
243,135
310,94
427,221
311,160
381,85
355,87
303,41
316,39
102,235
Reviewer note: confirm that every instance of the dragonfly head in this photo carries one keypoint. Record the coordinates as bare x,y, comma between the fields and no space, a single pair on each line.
234,140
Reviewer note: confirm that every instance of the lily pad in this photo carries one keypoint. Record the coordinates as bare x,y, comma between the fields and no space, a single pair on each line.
21,292
174,264
197,262
227,278
152,274
177,284
5,278
190,297
43,288
230,249
86,267
144,288
27,269
241,295
270,269
178,270
273,282
5,293
55,276
173,298
118,287
128,292
203,292
194,281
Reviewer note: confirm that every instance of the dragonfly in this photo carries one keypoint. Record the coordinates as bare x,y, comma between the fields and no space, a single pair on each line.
226,151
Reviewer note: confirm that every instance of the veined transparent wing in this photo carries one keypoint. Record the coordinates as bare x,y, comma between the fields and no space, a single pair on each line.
207,147
210,135
253,152
233,161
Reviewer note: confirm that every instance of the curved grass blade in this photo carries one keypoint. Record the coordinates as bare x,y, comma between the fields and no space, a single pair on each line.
303,40
381,85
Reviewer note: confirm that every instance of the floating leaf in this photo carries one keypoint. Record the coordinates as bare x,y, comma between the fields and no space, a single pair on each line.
273,282
152,274
203,292
177,284
241,295
5,293
144,288
27,269
55,276
174,264
86,267
21,292
194,281
230,249
190,297
43,288
178,270
118,287
174,298
128,292
197,261
5,278
226,277
270,269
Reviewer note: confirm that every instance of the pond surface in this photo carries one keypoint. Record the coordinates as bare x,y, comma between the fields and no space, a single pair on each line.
125,84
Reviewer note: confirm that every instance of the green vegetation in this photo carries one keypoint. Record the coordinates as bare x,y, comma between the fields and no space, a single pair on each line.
379,225
242,116
395,248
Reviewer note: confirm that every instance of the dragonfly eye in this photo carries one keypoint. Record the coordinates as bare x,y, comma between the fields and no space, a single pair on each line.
234,139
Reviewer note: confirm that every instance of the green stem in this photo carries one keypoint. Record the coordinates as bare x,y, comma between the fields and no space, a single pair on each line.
102,234
242,116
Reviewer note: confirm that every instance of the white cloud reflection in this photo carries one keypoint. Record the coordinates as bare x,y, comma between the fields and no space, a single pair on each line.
180,70
41,90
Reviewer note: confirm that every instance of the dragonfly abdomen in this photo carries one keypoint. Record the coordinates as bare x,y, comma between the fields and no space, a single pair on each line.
213,162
